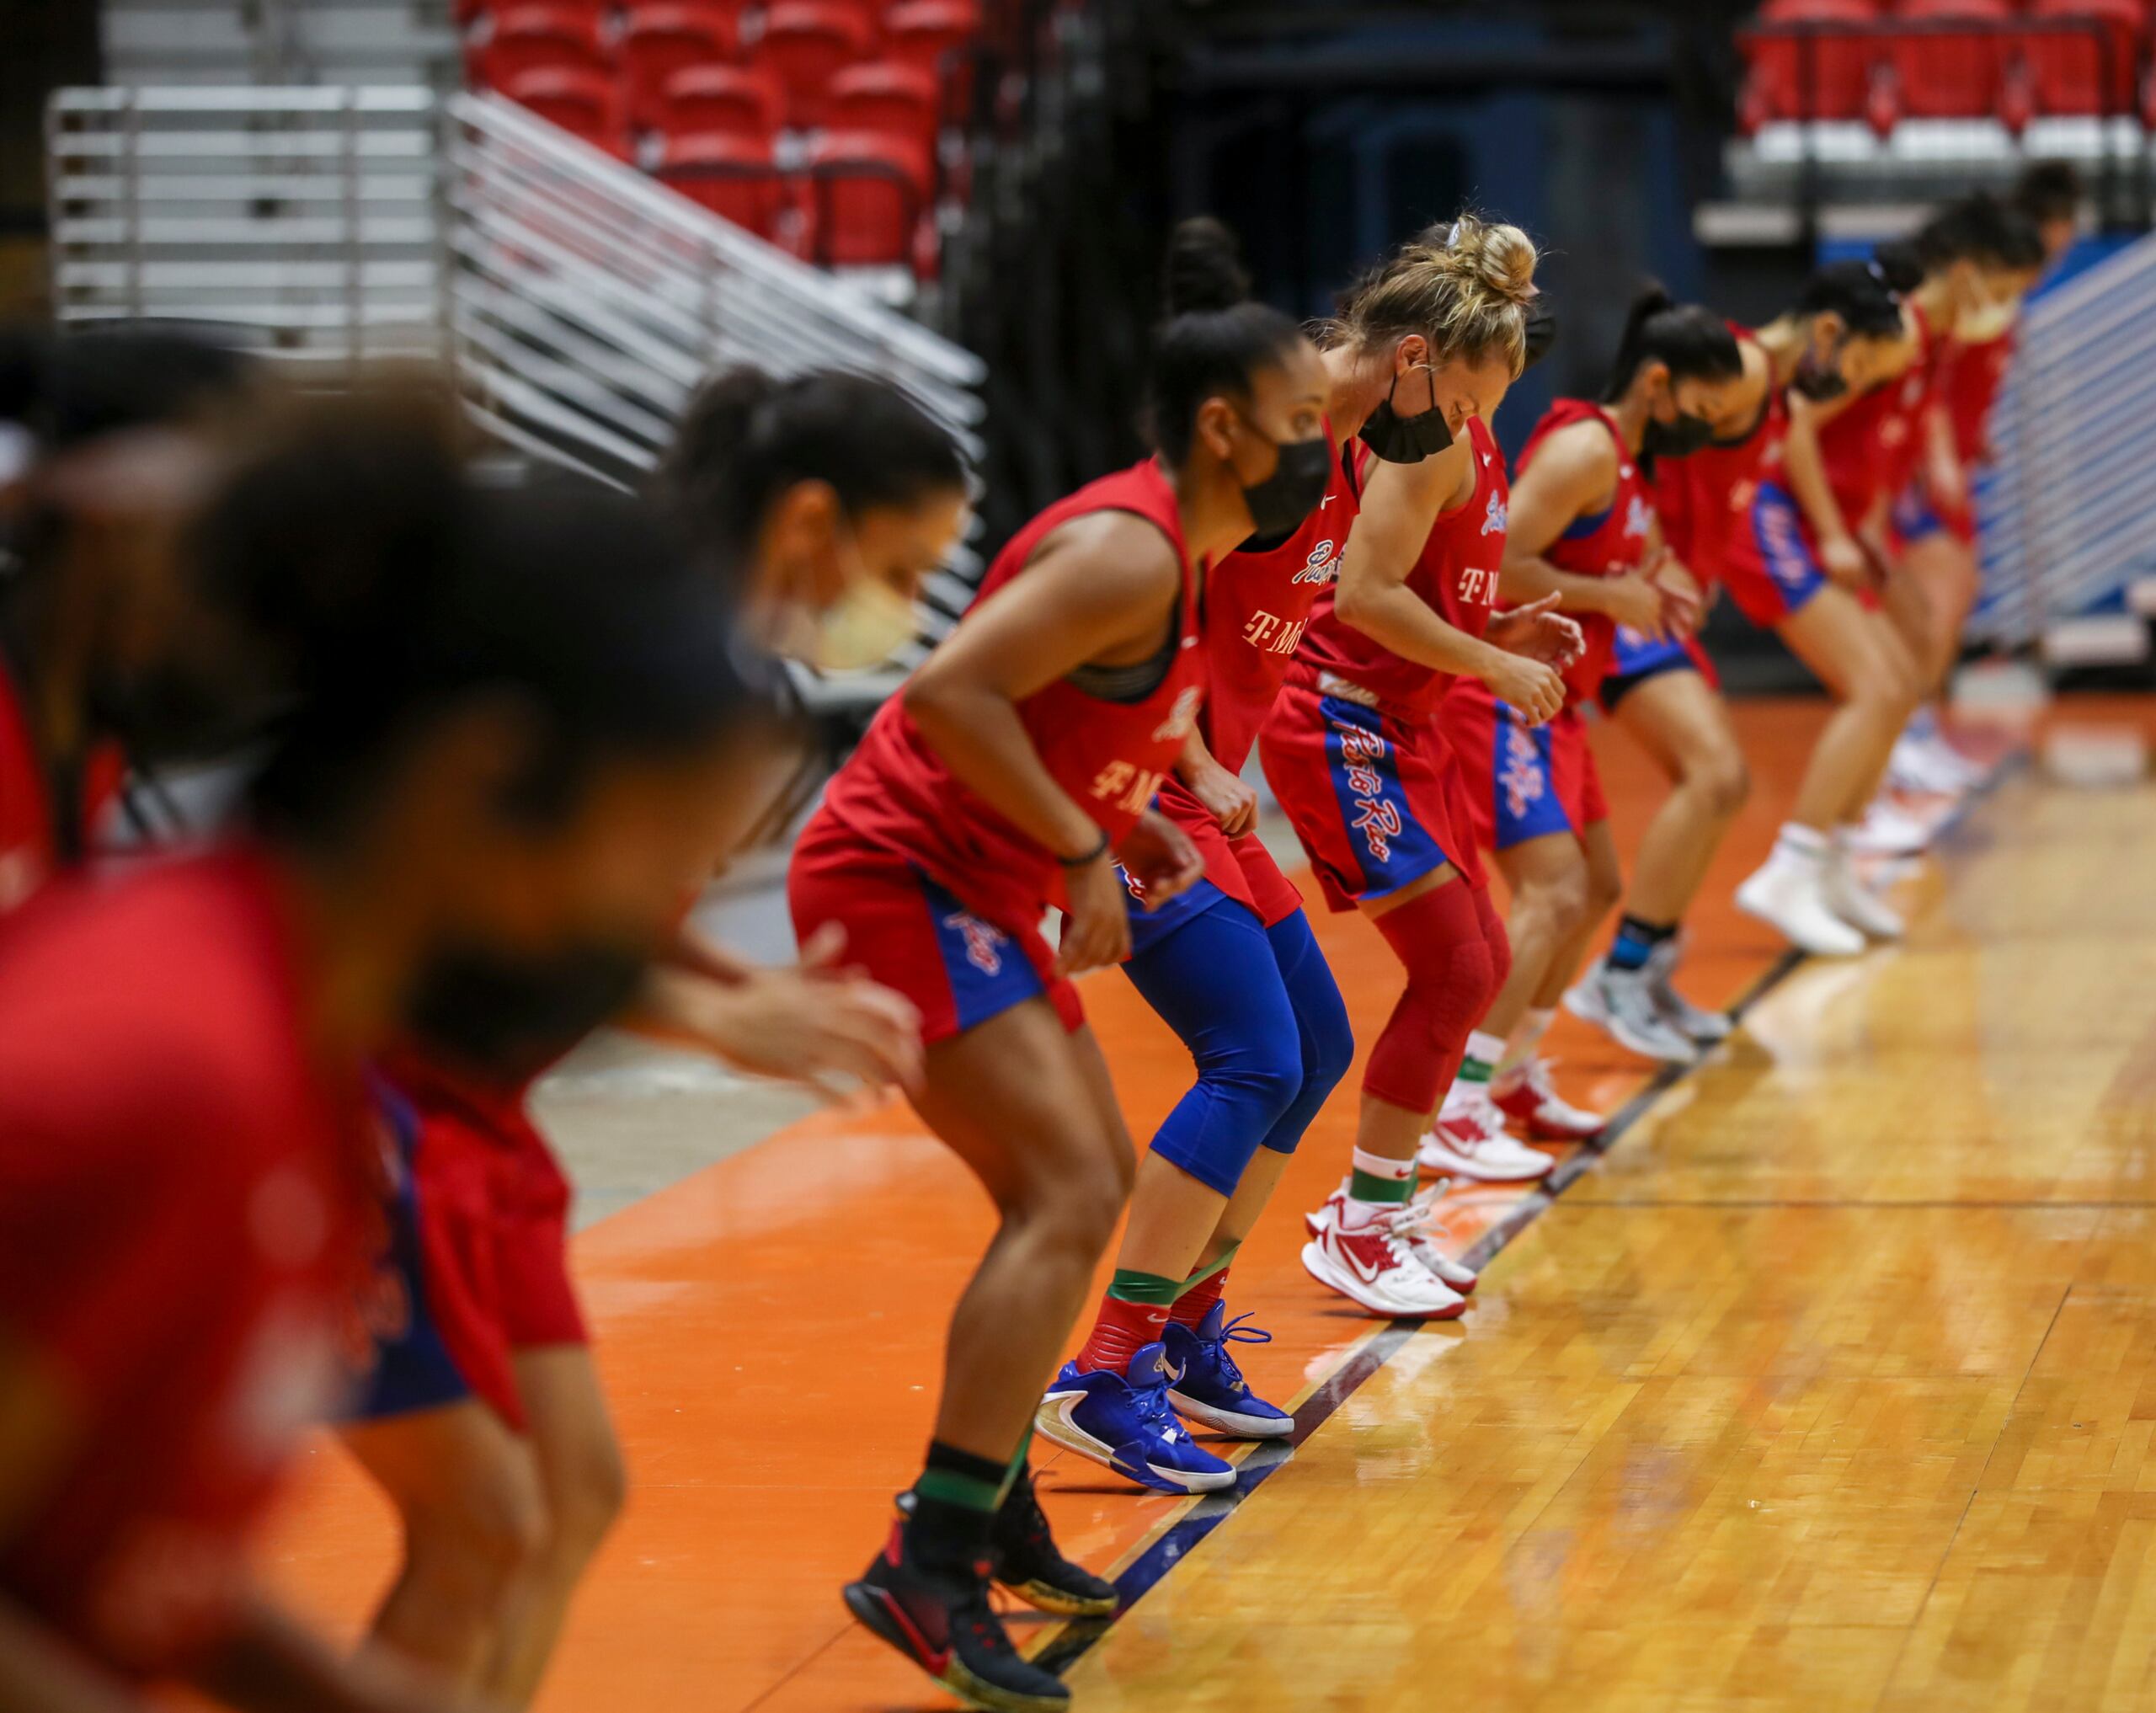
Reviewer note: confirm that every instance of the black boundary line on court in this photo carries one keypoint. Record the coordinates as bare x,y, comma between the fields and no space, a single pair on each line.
1182,1536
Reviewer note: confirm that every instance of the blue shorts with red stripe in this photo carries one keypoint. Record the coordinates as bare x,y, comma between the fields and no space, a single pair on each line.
412,1367
1635,658
1772,572
1524,782
1371,795
959,964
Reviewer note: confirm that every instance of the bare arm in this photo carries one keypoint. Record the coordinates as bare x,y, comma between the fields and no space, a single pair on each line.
1097,591
273,1664
1401,505
40,1673
1805,465
1231,802
1574,474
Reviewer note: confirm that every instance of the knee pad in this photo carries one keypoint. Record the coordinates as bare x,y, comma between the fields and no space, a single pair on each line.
1440,940
1245,1086
1499,942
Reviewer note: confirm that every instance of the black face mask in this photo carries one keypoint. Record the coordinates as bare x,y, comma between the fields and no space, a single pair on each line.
1676,439
511,1017
1819,378
1542,328
1279,503
1405,439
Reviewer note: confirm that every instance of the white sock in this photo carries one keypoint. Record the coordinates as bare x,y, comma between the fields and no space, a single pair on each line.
1799,846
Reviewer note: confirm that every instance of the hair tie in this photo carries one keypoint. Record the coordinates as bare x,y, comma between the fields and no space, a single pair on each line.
1452,236
1876,272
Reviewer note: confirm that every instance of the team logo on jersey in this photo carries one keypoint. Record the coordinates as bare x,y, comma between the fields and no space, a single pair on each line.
1271,634
1376,816
1127,786
1741,494
1637,515
1494,517
1478,585
1177,725
984,944
1323,565
1521,776
1894,431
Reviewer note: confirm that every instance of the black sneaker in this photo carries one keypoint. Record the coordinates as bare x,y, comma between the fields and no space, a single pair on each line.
1027,1561
943,1623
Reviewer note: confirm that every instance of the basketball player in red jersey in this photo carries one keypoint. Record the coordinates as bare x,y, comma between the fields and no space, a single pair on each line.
1350,752
1980,257
1790,565
1231,965
113,446
1583,527
502,759
1663,692
825,498
1013,772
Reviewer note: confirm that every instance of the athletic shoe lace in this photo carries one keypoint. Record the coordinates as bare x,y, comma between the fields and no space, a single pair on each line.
1155,1412
1235,1331
975,1612
1538,1078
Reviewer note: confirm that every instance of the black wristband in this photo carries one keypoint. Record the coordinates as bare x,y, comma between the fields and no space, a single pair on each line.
1099,851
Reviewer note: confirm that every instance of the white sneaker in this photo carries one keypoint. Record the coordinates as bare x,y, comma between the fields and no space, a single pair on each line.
1918,766
1849,898
1628,1008
1695,1023
1791,899
1471,1142
1373,1267
1889,830
1583,998
1413,1225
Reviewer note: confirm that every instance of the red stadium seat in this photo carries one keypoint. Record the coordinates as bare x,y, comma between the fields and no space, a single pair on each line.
730,98
930,33
585,104
804,44
2094,70
869,193
896,100
1947,73
467,11
1819,12
529,37
657,40
732,175
1842,67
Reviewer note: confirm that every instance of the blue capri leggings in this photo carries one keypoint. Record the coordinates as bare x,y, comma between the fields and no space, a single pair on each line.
1266,1025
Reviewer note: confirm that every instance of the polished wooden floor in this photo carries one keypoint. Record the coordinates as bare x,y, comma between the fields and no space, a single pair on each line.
1831,1387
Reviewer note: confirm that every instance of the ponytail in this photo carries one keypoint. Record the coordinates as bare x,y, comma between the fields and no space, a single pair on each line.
1213,338
1462,285
1695,342
748,436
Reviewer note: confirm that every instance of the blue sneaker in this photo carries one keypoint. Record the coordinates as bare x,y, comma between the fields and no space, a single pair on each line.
1210,1390
1123,1421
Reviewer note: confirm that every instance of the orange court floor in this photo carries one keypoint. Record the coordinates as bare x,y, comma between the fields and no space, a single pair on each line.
1827,1386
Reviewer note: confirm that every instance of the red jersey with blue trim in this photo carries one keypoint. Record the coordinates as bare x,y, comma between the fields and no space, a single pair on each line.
1258,604
1703,500
1969,378
1606,543
897,794
1456,576
1872,448
187,1197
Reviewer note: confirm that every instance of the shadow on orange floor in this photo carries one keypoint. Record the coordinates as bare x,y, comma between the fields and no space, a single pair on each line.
771,1332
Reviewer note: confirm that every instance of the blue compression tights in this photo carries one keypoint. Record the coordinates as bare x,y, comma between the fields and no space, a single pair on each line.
1266,1025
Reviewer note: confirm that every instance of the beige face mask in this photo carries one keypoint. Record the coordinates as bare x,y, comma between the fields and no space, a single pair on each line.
871,623
1988,318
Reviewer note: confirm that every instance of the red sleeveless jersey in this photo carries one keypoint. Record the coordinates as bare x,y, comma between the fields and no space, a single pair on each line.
1969,379
1872,447
1456,576
1703,499
1257,605
1606,543
897,794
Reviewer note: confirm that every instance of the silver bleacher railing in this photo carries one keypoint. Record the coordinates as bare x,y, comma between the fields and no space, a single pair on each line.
578,301
2068,508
